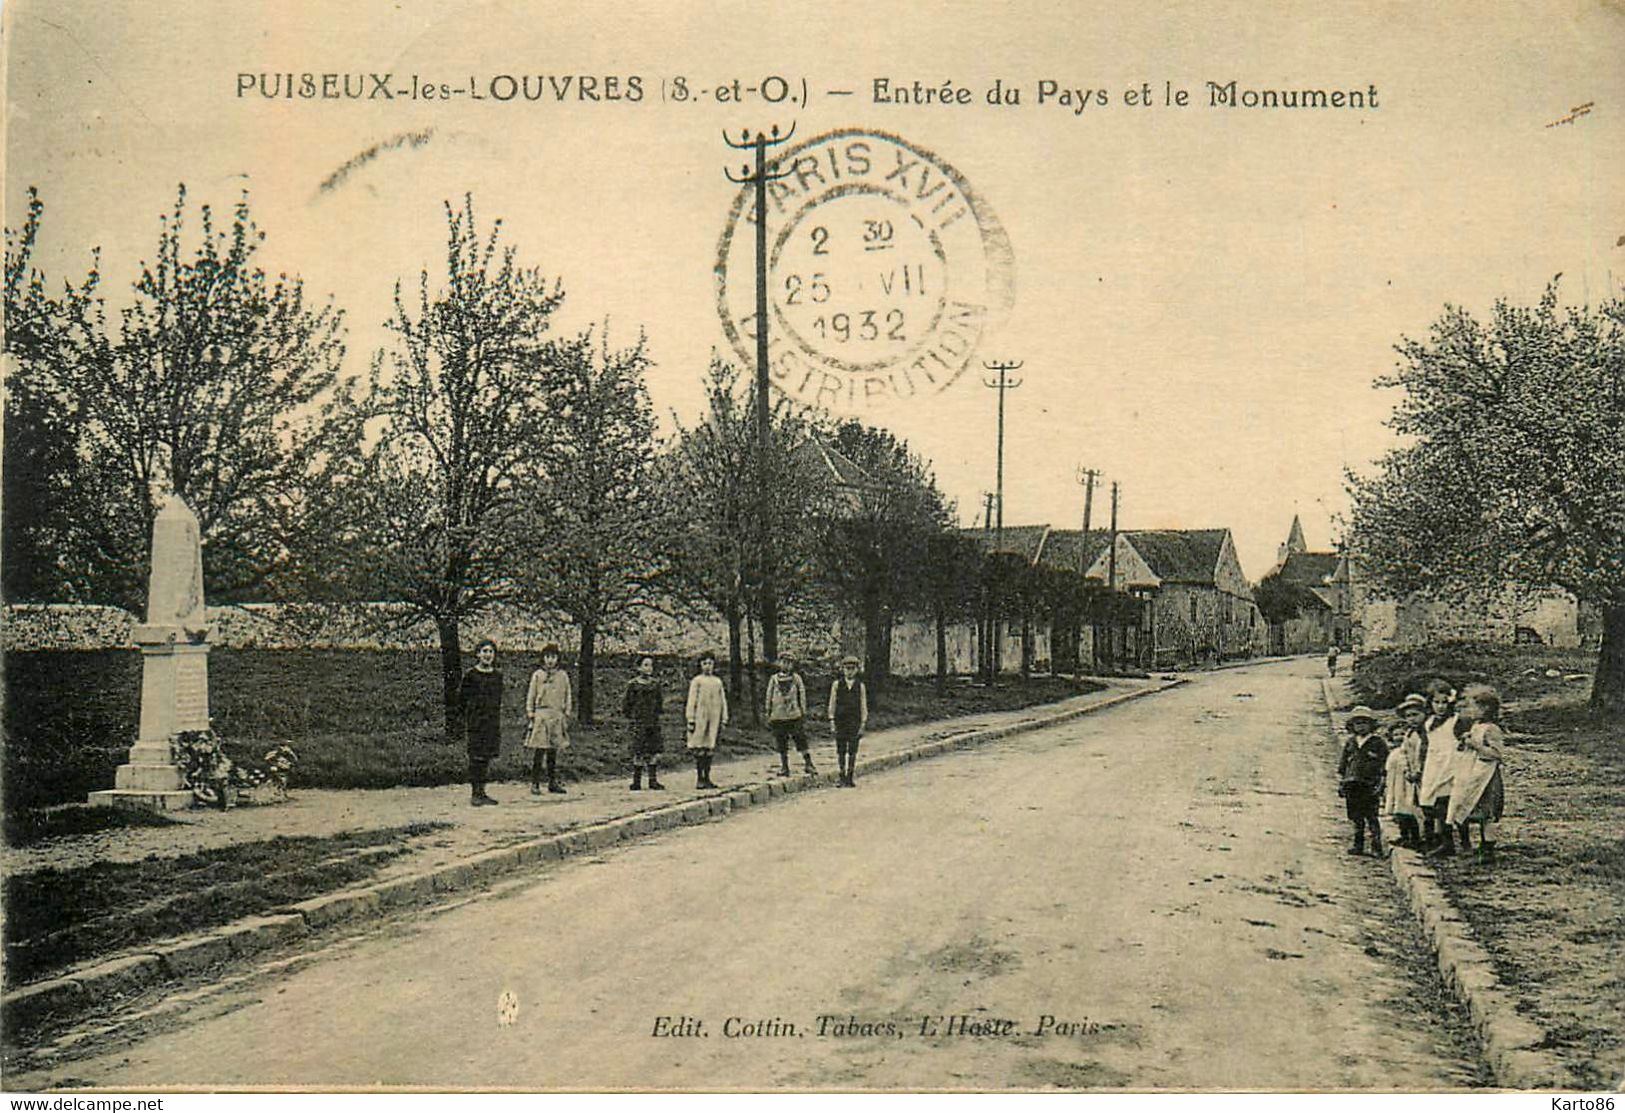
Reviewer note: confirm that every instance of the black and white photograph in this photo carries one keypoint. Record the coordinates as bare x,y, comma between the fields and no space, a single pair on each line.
821,547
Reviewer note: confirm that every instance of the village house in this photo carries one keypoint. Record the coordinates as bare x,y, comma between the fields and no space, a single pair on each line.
1324,616
1200,604
1194,603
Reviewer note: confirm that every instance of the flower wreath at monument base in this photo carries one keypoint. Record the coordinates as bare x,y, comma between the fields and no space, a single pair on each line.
218,781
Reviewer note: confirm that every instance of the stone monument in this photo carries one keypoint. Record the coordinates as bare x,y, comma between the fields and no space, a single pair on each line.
174,666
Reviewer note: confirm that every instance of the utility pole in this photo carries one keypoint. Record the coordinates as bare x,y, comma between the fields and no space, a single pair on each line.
758,177
1086,477
984,628
1002,384
1111,574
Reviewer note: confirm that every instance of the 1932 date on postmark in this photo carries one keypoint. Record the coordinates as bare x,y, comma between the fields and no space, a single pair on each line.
885,270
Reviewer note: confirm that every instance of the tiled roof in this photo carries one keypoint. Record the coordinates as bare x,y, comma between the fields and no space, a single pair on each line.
830,464
1061,549
1025,541
1308,569
1180,555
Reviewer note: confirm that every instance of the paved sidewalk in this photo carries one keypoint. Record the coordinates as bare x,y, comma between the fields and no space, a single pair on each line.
521,817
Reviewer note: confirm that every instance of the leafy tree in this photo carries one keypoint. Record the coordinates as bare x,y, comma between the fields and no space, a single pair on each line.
42,467
217,383
871,552
714,550
596,520
458,407
1514,466
1279,601
950,587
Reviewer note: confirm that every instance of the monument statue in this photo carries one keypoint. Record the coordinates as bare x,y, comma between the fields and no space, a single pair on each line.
174,666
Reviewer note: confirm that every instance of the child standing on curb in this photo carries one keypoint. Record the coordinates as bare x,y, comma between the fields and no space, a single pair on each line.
848,715
1434,792
786,706
641,706
1360,778
706,713
1404,770
548,704
1479,793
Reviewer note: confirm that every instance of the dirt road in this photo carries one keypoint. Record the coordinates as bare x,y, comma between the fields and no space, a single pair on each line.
1151,897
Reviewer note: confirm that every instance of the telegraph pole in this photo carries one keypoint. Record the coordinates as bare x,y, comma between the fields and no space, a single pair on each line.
1111,573
1002,384
984,629
1086,477
758,177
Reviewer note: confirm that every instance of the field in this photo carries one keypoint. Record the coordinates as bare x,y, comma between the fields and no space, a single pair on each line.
1551,910
363,719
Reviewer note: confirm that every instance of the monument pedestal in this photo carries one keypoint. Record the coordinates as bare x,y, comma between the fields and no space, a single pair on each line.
174,698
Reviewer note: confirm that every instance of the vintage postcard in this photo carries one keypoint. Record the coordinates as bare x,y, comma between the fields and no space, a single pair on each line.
814,547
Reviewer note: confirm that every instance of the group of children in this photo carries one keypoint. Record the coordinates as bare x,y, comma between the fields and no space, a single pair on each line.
549,705
1437,773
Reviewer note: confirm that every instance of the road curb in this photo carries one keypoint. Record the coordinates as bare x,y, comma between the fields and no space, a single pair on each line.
1513,1046
138,972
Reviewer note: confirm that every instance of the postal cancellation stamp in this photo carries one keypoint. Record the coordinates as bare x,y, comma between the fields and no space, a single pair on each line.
885,269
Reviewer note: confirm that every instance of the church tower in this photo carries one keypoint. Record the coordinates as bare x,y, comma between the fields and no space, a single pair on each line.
1294,543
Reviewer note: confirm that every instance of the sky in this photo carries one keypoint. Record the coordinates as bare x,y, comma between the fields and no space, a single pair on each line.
1202,296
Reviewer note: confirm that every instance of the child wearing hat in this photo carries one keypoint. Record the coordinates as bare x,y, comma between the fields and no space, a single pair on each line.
1404,770
786,706
548,704
848,715
1359,772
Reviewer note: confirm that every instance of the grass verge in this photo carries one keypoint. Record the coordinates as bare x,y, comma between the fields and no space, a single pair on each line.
370,719
1551,910
57,917
30,827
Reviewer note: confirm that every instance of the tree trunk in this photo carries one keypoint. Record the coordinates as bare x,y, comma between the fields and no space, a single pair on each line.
874,647
770,627
1026,643
755,701
451,672
735,661
585,662
1608,686
942,651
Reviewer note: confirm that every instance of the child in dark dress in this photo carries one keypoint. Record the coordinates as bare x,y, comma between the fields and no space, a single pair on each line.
641,706
479,698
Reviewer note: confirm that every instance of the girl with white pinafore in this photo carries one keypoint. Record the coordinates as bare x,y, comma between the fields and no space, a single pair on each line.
1433,794
1477,792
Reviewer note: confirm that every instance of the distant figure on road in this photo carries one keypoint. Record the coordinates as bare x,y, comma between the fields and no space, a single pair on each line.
641,706
1359,772
479,701
848,716
786,706
707,714
548,705
1332,653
